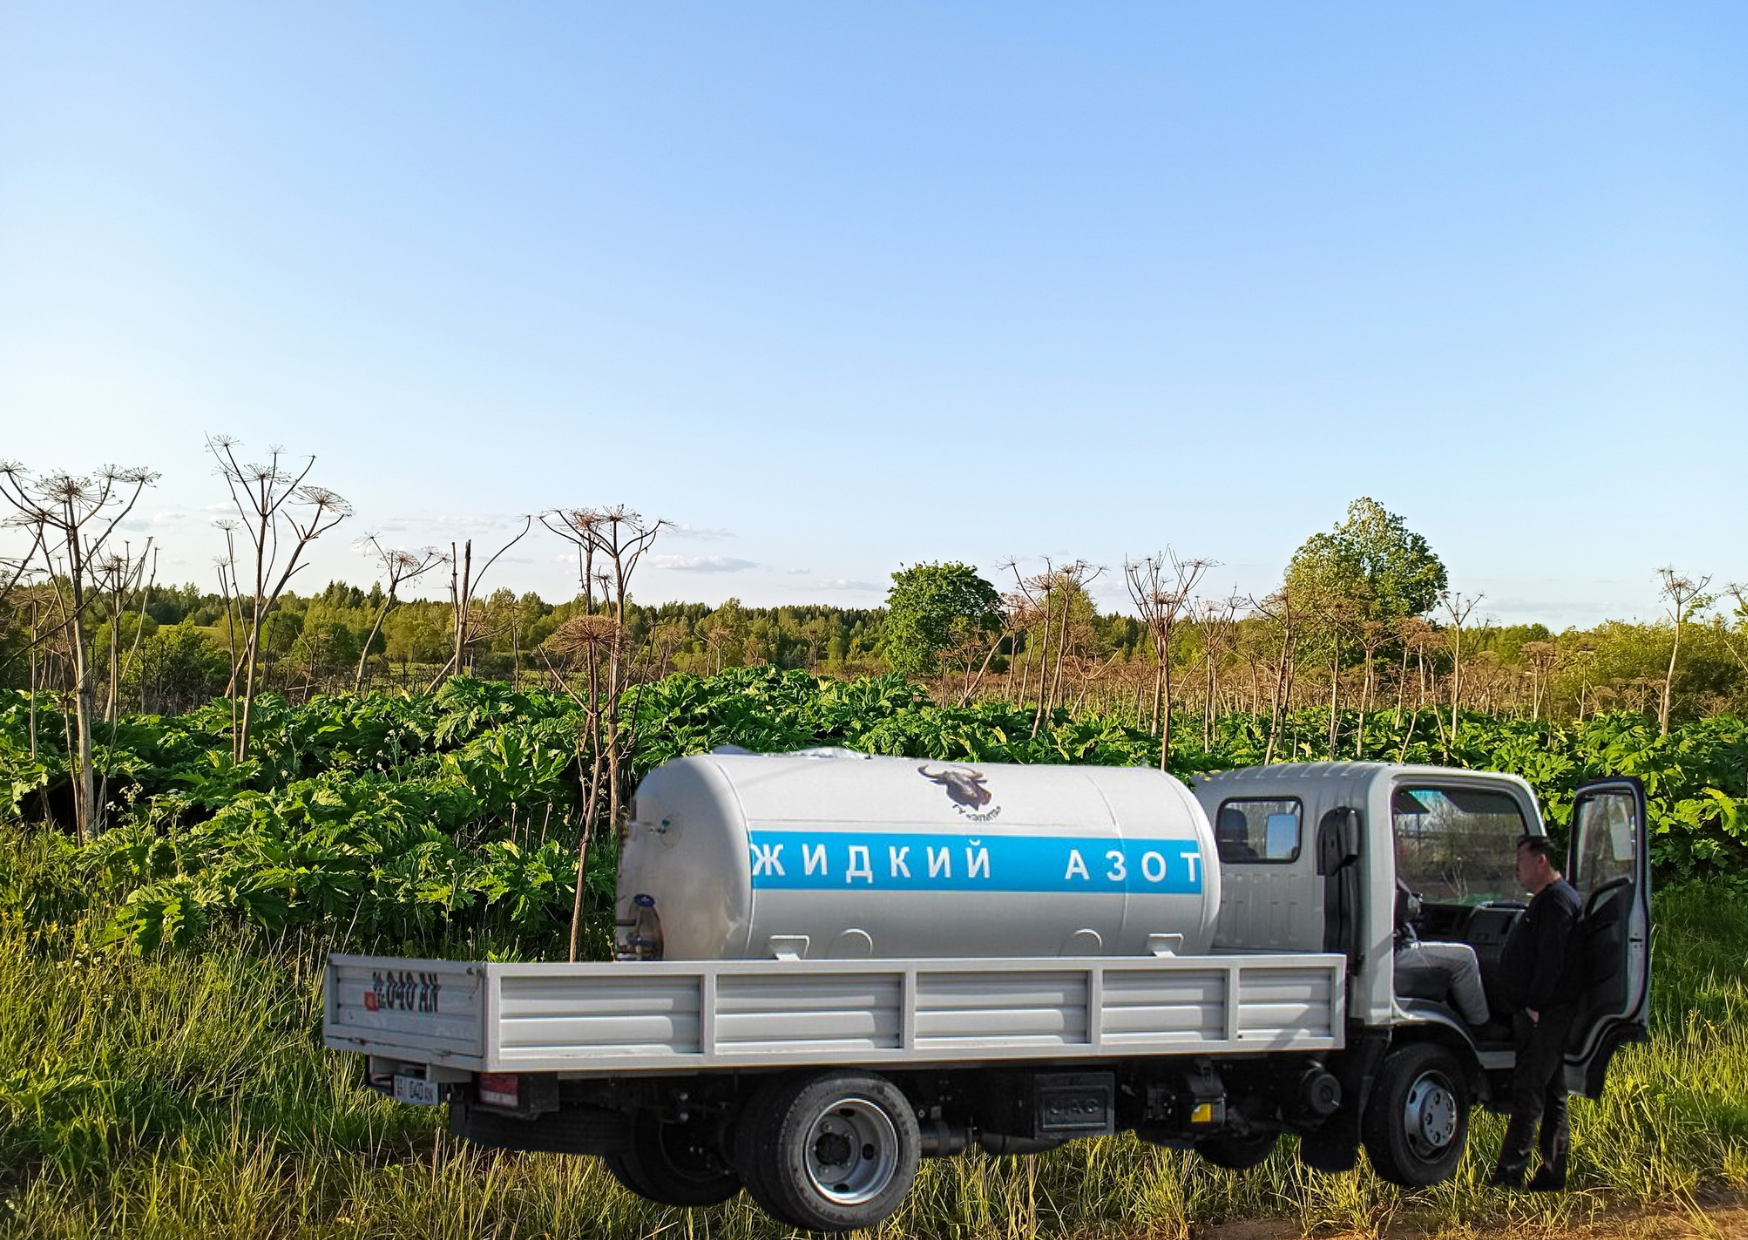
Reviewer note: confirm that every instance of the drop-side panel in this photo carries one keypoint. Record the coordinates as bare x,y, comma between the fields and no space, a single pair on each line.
540,1016
763,1013
432,1010
1146,1006
675,1017
1033,1008
1277,1007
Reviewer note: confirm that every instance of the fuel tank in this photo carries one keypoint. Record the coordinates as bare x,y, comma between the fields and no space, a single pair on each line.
828,853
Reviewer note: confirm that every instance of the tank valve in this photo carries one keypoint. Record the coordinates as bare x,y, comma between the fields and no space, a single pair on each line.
645,940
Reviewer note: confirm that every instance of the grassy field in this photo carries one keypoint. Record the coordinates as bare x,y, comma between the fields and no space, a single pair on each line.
188,1094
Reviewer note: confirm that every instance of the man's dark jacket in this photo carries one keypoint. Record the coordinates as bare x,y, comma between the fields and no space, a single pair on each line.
1536,967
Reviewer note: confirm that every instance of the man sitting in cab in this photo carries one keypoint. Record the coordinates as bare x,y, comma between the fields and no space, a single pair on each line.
1453,966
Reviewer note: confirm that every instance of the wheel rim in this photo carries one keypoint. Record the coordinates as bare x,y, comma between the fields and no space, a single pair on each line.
1430,1116
852,1151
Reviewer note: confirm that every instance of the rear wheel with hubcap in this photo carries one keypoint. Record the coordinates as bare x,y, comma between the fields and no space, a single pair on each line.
1417,1117
834,1151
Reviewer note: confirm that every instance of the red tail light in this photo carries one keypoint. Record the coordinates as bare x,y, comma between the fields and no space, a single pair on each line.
500,1089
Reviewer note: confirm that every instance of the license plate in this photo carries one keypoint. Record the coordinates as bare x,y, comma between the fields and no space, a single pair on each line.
416,1090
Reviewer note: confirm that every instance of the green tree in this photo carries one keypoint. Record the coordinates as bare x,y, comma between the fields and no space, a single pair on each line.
280,631
1374,560
725,634
1361,578
932,608
178,669
325,648
416,633
130,624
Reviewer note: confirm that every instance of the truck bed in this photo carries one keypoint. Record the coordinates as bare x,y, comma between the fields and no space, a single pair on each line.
683,1016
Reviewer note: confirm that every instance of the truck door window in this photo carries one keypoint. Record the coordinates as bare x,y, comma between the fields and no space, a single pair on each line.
1457,845
1252,832
1608,842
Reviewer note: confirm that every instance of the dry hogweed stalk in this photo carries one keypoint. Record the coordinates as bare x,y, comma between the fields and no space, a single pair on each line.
580,634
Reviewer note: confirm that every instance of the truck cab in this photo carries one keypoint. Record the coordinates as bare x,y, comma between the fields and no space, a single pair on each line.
1354,858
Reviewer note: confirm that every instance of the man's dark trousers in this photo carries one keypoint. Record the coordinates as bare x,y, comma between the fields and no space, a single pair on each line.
1538,1096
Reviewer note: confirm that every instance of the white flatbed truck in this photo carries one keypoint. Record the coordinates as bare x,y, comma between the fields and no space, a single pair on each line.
797,1060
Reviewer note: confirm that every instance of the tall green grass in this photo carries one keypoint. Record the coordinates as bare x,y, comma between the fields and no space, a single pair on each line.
188,1095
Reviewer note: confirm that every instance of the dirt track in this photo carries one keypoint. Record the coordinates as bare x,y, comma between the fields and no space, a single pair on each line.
1701,1223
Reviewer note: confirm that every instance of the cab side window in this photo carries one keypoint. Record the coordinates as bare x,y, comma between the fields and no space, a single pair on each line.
1258,832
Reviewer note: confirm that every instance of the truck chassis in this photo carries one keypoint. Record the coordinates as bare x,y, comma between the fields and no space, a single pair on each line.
818,1084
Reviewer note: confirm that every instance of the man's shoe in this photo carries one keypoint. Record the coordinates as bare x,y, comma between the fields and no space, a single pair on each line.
1546,1181
1508,1178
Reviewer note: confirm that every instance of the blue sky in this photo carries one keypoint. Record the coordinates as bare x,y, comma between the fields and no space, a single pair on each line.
837,288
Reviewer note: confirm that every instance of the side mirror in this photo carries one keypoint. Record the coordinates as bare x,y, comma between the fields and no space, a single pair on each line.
1338,839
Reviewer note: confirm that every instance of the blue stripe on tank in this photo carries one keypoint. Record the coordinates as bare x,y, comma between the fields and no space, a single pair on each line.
899,861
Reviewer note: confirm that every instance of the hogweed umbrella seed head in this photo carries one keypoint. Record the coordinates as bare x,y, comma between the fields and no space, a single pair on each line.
579,633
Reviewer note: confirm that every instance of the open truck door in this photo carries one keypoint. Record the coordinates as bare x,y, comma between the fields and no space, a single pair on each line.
1607,861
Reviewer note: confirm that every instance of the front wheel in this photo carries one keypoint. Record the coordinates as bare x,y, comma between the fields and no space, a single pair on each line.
1417,1118
672,1164
836,1151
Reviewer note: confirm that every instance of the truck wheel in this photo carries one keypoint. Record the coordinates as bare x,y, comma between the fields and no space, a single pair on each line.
672,1165
834,1151
1237,1153
1417,1118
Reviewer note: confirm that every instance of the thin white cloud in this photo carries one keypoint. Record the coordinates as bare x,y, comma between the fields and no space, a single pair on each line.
680,529
700,563
465,523
841,583
155,522
1551,613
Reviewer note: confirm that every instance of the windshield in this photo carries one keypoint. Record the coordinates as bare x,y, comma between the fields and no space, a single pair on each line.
1457,845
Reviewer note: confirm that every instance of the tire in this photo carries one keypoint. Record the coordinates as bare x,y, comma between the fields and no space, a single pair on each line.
1236,1153
832,1151
1416,1121
672,1165
750,1121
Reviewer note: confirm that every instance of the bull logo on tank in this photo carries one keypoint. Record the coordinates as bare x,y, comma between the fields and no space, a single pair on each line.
967,789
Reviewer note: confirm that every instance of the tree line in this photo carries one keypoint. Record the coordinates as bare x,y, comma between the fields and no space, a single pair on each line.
1363,618
173,646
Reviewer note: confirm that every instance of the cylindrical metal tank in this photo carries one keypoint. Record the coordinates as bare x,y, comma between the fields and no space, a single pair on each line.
829,853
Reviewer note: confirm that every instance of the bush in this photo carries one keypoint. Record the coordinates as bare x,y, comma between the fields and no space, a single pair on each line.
404,820
175,669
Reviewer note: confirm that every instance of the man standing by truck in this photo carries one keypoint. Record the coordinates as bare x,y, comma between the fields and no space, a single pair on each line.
1540,984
